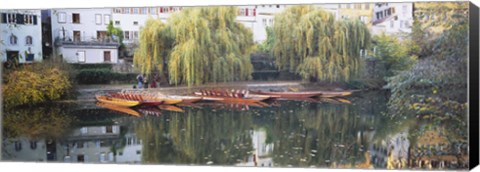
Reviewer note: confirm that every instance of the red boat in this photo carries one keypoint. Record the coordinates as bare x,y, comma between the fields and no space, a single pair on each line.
136,97
288,94
234,96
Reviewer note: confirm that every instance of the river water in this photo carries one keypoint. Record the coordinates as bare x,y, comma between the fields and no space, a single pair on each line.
352,134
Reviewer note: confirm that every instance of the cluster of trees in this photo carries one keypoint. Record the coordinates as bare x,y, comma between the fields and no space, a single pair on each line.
197,45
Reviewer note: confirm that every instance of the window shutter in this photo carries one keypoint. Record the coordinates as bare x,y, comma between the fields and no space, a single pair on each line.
35,19
20,19
4,18
104,130
246,11
254,12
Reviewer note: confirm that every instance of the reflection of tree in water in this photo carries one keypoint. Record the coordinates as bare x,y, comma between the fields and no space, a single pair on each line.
196,137
41,122
320,135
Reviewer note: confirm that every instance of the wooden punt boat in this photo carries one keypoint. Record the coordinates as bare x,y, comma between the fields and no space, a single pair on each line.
150,111
117,101
134,97
119,109
170,108
288,94
187,99
223,99
330,94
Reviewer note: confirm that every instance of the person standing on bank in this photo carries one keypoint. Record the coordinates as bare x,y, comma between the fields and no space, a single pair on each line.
140,80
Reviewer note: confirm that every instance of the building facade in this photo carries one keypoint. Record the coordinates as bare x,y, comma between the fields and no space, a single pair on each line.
80,36
21,36
392,18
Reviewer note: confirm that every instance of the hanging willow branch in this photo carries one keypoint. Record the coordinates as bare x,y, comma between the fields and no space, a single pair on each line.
198,45
310,42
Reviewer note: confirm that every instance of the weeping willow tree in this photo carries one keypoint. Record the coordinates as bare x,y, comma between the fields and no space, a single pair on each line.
310,42
197,45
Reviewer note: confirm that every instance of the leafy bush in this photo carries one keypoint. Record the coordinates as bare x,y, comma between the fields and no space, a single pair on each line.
103,76
32,85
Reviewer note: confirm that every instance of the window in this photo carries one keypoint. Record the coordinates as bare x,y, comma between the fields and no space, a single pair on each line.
135,34
33,145
84,130
278,6
153,11
391,24
120,153
117,10
241,12
143,10
18,145
264,21
126,35
357,6
61,17
79,145
80,158
348,5
76,18
138,152
135,22
367,6
12,18
117,22
135,10
13,40
77,36
28,40
28,19
106,19
98,19
81,57
106,57
129,141
270,22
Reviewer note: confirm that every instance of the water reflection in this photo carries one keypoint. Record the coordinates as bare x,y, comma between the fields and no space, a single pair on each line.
282,134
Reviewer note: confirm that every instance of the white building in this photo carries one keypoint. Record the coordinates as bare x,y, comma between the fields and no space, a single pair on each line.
80,35
392,18
261,150
91,144
132,152
21,36
24,149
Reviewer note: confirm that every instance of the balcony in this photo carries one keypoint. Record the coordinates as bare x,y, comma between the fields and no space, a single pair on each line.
86,42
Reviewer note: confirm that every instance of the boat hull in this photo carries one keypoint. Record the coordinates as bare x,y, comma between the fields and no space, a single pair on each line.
117,101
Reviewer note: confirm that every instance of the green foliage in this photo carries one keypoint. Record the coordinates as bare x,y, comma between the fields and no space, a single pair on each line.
197,45
40,122
267,45
435,88
310,42
36,83
103,76
92,66
393,53
118,32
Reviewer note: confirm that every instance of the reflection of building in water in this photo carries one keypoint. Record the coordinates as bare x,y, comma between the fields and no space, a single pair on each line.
393,150
26,149
92,144
132,152
261,155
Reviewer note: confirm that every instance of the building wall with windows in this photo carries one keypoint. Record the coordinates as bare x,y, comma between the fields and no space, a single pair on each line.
361,11
24,149
84,54
91,144
398,21
21,35
132,152
80,35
